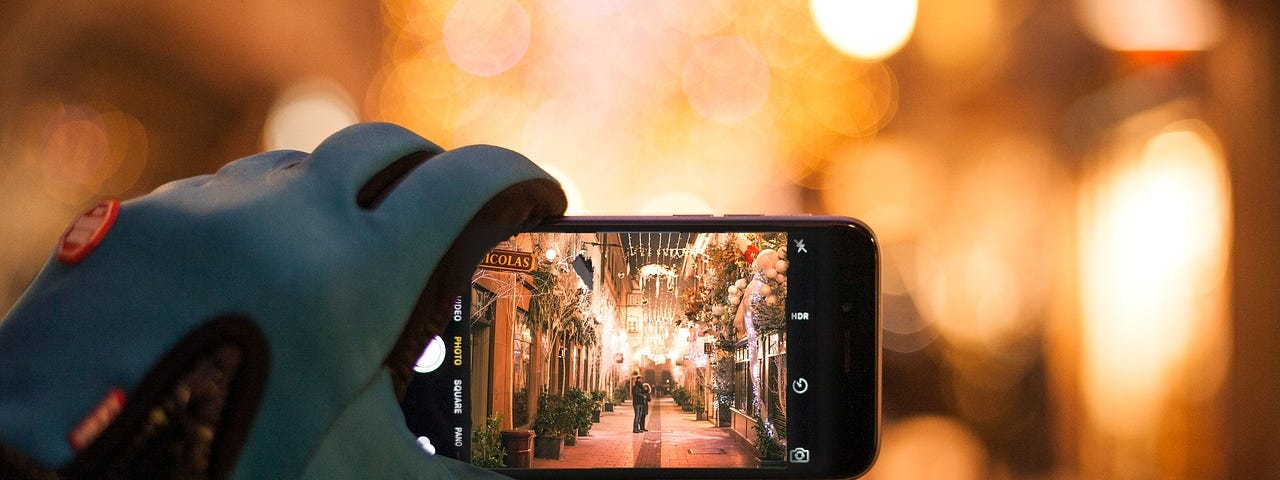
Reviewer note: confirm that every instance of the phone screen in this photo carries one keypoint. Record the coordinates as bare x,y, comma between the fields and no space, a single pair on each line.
627,350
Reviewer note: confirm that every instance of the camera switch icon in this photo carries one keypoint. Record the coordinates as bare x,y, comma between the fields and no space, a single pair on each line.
799,455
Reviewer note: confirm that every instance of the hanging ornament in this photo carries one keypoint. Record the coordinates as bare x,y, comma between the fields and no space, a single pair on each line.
734,300
765,260
741,283
717,310
781,266
771,299
781,278
733,289
771,273
765,289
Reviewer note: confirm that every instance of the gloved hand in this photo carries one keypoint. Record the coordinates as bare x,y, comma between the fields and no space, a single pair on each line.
255,323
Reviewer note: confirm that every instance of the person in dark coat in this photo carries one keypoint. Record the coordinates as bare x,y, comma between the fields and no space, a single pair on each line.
639,404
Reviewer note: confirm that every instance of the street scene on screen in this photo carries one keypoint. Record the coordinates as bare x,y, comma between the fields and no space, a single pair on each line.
630,349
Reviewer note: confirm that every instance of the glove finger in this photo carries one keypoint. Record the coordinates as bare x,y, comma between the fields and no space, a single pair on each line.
353,155
438,199
185,183
256,166
462,203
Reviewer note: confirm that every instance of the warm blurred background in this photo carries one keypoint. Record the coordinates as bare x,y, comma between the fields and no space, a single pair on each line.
1076,199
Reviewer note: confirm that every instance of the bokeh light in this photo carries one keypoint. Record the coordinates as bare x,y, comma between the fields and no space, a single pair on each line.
726,79
892,184
677,203
306,113
1152,25
867,30
87,150
486,37
698,18
1154,236
930,448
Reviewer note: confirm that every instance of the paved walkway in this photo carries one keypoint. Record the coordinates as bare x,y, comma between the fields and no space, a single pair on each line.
674,439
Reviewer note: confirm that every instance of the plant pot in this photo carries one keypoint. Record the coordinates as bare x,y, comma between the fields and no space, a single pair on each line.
570,440
701,416
548,447
686,408
595,416
724,417
519,447
608,406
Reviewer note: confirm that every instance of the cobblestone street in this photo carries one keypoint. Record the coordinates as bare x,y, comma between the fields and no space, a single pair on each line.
675,439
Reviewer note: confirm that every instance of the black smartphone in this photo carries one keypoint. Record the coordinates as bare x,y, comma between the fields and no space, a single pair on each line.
662,347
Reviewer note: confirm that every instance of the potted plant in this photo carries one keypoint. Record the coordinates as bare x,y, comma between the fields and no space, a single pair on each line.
681,397
598,403
486,445
581,407
519,447
552,424
699,411
768,449
608,400
622,393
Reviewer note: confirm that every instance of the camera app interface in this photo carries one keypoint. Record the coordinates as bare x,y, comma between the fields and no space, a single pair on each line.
614,350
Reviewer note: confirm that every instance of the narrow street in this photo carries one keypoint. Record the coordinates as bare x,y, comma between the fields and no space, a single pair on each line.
674,440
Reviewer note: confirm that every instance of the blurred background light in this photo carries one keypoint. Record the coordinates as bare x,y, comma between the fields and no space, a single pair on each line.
676,203
930,448
698,18
1152,25
895,185
1155,230
1065,291
867,30
726,79
306,113
486,37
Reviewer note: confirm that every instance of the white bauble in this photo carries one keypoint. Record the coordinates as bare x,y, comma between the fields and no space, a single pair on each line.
771,273
765,290
734,300
717,310
765,259
771,299
781,266
741,283
733,289
781,278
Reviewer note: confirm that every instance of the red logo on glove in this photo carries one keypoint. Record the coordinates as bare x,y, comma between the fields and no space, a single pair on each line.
87,231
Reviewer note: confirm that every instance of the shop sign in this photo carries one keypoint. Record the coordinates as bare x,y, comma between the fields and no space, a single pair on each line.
508,261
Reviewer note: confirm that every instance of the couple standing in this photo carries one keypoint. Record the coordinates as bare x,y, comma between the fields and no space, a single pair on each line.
640,393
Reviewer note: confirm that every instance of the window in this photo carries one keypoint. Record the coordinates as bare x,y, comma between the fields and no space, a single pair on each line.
483,308
522,349
742,394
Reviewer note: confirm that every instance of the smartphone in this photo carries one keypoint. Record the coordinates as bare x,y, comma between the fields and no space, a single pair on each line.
662,347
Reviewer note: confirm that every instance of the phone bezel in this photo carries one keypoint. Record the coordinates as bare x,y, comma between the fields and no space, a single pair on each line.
847,430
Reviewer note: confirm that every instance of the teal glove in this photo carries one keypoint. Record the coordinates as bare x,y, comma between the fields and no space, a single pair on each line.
257,323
